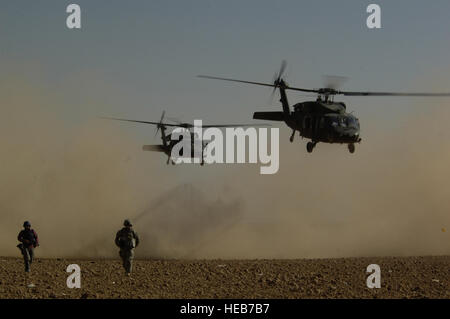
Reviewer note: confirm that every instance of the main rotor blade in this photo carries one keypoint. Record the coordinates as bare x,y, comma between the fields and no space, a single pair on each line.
144,122
235,125
185,125
391,94
189,125
233,80
256,83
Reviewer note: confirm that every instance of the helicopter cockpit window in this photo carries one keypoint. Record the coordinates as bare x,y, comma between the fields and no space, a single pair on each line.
334,122
352,122
343,121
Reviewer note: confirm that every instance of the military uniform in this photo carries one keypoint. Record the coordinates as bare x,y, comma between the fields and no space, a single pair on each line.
127,240
29,240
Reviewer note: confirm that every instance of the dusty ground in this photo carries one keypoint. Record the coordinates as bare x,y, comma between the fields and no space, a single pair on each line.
411,277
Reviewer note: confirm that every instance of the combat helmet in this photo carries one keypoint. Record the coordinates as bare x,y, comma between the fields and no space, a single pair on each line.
127,222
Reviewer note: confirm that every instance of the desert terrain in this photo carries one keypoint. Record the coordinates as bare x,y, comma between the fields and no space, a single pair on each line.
401,277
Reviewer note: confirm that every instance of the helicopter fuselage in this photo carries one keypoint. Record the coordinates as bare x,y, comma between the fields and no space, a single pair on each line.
321,121
169,143
326,122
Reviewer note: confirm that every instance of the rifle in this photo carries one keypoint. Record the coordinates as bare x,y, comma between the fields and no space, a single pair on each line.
21,248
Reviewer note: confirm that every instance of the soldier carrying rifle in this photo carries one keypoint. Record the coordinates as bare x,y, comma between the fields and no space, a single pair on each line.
28,241
127,240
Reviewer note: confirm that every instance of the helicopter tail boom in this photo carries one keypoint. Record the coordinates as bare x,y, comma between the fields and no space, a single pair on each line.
270,116
284,100
153,148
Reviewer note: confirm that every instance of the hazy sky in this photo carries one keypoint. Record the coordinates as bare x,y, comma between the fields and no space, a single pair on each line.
137,58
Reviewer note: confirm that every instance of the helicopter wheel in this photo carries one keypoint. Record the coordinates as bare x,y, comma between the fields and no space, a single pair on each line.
202,161
351,148
310,146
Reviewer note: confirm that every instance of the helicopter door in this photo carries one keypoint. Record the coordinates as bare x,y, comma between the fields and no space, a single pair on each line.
316,123
322,123
313,127
320,126
307,125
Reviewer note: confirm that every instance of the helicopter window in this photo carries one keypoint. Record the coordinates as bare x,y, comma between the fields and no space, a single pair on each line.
334,122
352,122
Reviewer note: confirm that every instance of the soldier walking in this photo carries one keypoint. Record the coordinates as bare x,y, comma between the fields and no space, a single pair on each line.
28,241
127,240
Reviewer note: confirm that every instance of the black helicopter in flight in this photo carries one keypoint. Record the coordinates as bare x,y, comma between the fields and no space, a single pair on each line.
322,120
168,143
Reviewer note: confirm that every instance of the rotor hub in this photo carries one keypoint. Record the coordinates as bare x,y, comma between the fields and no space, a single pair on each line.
280,83
327,91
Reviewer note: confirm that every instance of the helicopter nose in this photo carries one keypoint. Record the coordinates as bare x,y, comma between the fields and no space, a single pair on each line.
356,136
350,134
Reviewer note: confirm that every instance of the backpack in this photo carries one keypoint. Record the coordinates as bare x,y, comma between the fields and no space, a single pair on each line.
127,239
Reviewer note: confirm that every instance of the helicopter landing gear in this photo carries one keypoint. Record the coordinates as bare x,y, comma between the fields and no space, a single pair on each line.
351,148
170,160
202,160
310,146
291,139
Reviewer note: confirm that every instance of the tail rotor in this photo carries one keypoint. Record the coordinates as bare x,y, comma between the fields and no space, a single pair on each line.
278,78
160,124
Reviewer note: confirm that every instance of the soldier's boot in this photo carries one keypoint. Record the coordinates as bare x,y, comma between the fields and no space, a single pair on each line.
124,263
130,266
127,266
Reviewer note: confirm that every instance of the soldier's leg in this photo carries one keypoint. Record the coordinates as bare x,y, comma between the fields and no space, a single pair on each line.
127,261
31,253
26,259
130,261
122,256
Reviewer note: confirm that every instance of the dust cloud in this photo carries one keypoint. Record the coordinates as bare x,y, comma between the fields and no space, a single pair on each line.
390,198
77,180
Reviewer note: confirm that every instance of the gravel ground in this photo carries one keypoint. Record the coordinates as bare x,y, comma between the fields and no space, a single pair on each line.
401,277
